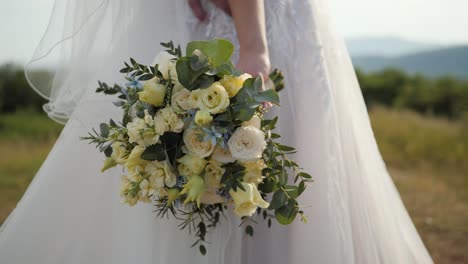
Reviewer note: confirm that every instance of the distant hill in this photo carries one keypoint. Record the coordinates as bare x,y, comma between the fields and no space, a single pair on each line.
452,61
386,46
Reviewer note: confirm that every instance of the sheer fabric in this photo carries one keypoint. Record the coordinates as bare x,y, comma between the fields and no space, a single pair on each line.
71,214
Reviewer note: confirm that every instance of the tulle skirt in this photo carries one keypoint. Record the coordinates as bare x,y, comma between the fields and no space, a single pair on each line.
72,214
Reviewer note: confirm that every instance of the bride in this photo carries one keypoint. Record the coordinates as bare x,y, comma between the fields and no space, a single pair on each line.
71,213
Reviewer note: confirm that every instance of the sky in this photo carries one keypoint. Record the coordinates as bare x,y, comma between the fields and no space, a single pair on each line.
22,22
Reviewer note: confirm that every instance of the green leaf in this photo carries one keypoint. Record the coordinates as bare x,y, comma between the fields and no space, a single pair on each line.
286,214
199,60
218,51
154,152
284,147
279,199
249,230
202,249
104,130
190,78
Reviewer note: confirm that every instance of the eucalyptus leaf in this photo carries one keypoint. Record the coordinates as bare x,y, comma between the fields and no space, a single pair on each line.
218,51
154,152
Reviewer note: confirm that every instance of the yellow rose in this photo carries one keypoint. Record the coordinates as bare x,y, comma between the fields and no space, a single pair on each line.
203,118
119,153
161,174
255,121
213,99
213,174
190,165
134,159
153,92
253,171
194,143
233,84
246,202
194,189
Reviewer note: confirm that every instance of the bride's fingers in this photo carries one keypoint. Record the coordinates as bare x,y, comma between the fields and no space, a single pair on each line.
197,9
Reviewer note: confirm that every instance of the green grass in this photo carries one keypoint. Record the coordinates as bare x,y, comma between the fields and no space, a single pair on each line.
427,158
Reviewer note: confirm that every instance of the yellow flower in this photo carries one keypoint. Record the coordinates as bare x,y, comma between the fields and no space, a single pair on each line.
172,195
246,202
213,174
134,159
194,189
153,92
203,118
213,99
119,153
233,84
108,163
253,171
190,165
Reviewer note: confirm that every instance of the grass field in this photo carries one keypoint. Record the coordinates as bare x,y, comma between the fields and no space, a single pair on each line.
427,157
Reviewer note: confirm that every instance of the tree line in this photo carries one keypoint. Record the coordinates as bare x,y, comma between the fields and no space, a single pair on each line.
443,96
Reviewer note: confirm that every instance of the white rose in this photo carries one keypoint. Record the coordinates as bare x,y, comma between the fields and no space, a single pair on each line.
246,202
161,173
165,63
213,99
194,144
153,92
173,121
213,174
255,121
180,101
253,171
222,155
247,143
190,165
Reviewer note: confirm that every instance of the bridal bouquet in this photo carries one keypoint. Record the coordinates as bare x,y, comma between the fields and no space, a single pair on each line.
193,140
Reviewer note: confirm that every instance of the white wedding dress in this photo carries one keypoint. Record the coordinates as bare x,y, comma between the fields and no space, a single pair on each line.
72,214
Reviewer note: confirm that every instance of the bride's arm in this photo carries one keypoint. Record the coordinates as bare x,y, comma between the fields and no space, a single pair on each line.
249,19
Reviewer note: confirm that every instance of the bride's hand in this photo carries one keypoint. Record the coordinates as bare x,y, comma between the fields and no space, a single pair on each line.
256,64
200,13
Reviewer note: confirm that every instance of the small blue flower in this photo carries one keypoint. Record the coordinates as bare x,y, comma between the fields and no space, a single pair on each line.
134,83
211,134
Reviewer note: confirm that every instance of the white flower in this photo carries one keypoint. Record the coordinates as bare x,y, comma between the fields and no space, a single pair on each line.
180,101
246,202
255,121
161,174
166,64
194,143
139,133
172,120
213,99
247,143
